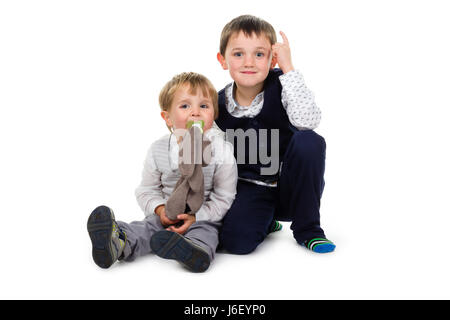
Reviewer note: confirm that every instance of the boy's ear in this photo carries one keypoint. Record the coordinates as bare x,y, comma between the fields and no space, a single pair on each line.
273,63
222,61
165,116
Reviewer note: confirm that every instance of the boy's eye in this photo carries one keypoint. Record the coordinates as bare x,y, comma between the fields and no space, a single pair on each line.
184,106
260,54
204,106
237,54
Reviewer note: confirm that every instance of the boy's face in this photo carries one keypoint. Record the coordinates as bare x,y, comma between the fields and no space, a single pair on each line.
248,59
187,106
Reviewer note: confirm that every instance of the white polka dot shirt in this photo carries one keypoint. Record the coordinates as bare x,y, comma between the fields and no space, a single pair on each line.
296,98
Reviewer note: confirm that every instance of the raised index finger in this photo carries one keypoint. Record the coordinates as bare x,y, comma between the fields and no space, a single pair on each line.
285,39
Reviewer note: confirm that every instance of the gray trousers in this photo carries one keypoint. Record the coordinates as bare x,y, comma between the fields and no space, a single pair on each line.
202,233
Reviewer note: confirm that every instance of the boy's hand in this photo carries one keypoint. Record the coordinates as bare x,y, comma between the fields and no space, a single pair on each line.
282,54
188,220
161,212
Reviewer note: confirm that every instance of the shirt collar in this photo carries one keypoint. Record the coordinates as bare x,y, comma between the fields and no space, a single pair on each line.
231,103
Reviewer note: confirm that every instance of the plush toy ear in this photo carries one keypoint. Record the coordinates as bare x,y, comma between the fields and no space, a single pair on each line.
207,153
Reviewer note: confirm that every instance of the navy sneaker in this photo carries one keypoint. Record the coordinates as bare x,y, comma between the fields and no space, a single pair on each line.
107,239
171,245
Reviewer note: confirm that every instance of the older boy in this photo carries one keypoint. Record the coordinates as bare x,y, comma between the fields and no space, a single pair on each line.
276,101
187,97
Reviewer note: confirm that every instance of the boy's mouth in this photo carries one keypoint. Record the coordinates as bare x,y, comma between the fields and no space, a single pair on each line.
248,72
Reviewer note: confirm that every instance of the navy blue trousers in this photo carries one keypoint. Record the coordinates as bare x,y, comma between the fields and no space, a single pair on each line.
296,198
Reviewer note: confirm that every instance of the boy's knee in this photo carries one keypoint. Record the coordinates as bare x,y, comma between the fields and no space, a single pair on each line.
237,244
307,144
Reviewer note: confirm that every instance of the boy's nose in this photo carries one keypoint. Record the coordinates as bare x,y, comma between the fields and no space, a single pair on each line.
249,60
195,111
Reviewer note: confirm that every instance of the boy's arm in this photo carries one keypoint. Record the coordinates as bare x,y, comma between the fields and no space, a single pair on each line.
148,194
223,193
298,101
296,98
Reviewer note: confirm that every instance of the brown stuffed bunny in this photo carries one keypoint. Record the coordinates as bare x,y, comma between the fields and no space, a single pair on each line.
188,194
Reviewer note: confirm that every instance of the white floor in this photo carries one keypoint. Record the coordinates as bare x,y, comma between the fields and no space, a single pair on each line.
369,263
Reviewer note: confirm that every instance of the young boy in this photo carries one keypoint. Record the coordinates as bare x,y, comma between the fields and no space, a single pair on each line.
278,102
187,97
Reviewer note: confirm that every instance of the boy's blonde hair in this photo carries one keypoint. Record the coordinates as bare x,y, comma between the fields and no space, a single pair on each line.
195,81
249,25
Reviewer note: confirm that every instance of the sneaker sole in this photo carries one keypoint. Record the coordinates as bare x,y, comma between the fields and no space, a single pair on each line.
100,226
171,245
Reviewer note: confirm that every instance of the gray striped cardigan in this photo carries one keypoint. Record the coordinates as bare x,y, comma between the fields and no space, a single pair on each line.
160,174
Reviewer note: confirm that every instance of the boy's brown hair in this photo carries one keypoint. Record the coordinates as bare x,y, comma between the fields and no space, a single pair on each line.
195,81
248,24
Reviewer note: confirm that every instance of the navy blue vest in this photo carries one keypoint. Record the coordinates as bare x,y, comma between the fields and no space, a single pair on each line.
272,116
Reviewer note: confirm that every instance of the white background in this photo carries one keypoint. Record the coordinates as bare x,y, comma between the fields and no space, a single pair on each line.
79,85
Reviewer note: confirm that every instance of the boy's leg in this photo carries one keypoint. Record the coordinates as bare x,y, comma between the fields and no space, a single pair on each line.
301,184
139,234
206,235
195,249
247,222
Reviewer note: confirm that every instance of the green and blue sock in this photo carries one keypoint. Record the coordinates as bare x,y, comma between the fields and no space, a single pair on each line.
320,245
275,226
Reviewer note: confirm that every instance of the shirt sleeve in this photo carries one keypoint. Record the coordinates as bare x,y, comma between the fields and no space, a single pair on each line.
149,192
298,101
223,193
